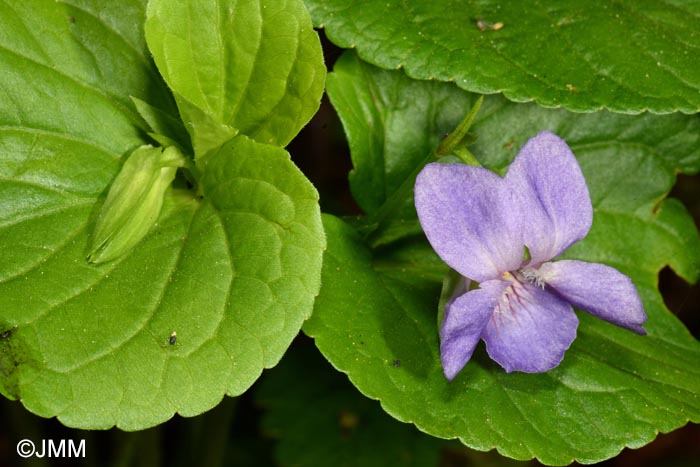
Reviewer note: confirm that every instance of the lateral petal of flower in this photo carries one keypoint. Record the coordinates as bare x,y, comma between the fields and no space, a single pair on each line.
548,185
467,218
465,318
598,289
530,329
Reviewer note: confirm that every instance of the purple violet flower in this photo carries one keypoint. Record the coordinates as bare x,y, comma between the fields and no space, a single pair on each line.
480,225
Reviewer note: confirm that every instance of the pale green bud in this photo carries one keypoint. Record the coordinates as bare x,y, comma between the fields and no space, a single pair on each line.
134,201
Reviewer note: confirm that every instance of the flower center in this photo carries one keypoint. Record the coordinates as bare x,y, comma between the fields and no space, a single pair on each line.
516,295
529,275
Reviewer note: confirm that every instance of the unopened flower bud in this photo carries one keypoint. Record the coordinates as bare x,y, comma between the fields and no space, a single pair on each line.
134,201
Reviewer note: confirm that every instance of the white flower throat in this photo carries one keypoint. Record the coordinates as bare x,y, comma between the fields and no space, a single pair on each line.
529,275
532,275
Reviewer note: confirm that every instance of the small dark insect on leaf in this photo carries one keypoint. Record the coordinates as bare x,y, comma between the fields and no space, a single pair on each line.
173,338
397,363
8,332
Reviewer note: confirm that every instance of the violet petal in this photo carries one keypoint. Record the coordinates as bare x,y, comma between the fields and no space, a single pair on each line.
465,318
598,289
465,215
547,184
530,329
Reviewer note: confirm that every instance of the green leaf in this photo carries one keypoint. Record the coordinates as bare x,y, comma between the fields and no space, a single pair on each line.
389,137
233,272
254,67
320,419
626,57
614,388
391,123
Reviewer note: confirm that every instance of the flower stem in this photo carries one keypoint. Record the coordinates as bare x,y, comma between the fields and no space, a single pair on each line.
466,156
456,139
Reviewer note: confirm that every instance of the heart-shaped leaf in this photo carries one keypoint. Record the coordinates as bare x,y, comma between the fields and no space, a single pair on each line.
214,292
254,67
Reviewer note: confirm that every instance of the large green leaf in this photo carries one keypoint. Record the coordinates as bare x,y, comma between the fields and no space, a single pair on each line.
232,272
624,56
249,66
614,388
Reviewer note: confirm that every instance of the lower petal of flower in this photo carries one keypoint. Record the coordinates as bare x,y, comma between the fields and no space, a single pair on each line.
598,289
530,329
465,318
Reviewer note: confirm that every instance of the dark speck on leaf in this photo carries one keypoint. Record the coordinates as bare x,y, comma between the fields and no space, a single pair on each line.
173,338
397,363
72,19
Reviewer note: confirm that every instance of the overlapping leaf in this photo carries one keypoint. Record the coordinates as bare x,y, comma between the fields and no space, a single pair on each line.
626,57
232,269
269,47
378,306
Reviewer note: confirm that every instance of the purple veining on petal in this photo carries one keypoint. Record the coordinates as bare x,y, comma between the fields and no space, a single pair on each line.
530,329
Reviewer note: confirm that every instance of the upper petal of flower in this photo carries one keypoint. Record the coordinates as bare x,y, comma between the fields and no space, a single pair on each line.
466,215
598,289
465,318
530,329
547,184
